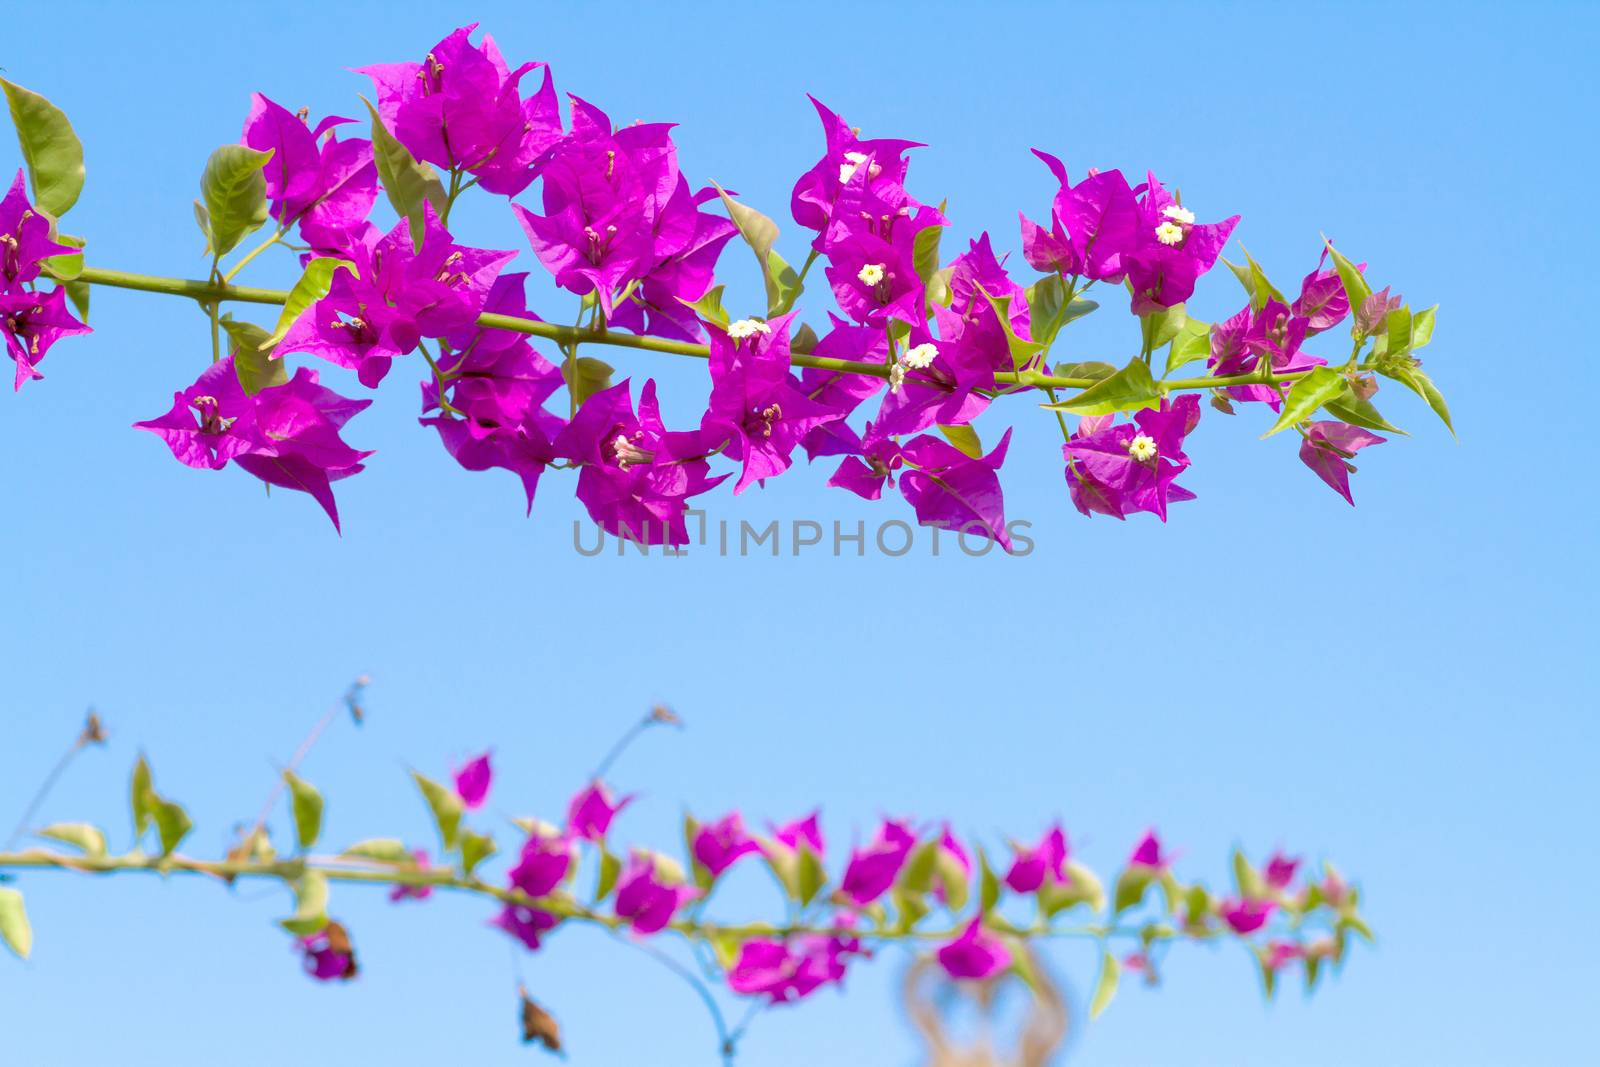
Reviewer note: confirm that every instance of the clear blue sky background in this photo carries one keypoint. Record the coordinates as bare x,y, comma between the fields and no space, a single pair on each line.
1407,687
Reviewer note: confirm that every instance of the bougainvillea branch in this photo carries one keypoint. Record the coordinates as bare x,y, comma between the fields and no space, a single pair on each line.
914,883
934,342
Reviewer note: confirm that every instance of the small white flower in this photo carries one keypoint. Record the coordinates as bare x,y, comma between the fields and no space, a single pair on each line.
871,274
848,170
897,377
919,356
747,328
1181,215
1169,233
1142,448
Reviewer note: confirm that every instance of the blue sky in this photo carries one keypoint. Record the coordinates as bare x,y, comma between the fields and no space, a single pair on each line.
1407,687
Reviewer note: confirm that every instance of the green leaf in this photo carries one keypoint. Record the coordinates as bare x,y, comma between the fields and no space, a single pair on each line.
1397,327
1049,311
965,438
761,233
68,265
306,803
380,849
445,805
253,364
1245,276
1356,288
1308,394
91,840
1423,386
726,948
610,870
593,375
1092,369
1022,965
1105,987
709,307
313,285
172,823
925,253
1261,290
202,218
1356,923
917,875
139,792
1082,887
1160,327
1422,327
311,909
1129,389
1022,351
408,183
475,848
14,928
953,877
78,293
1246,879
1357,411
1192,342
810,874
988,885
1131,886
50,148
235,192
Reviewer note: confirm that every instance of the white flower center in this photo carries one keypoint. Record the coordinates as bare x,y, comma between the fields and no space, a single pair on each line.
897,377
1142,448
871,274
747,328
848,169
1181,215
919,356
1169,233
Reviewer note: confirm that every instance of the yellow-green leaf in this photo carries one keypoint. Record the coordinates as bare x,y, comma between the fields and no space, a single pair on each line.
50,148
313,285
90,840
965,438
446,808
1105,987
306,803
235,192
14,928
1129,389
1308,394
408,183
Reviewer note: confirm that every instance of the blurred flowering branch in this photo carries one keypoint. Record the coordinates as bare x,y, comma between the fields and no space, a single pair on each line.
919,885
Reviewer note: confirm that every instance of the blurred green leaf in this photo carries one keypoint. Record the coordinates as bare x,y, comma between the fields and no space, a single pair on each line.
1093,369
91,840
445,806
172,823
15,930
606,880
810,874
306,804
475,848
1246,878
311,910
380,849
1131,886
1105,987
988,885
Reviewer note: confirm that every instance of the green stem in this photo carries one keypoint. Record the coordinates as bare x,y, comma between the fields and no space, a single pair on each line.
574,335
254,252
